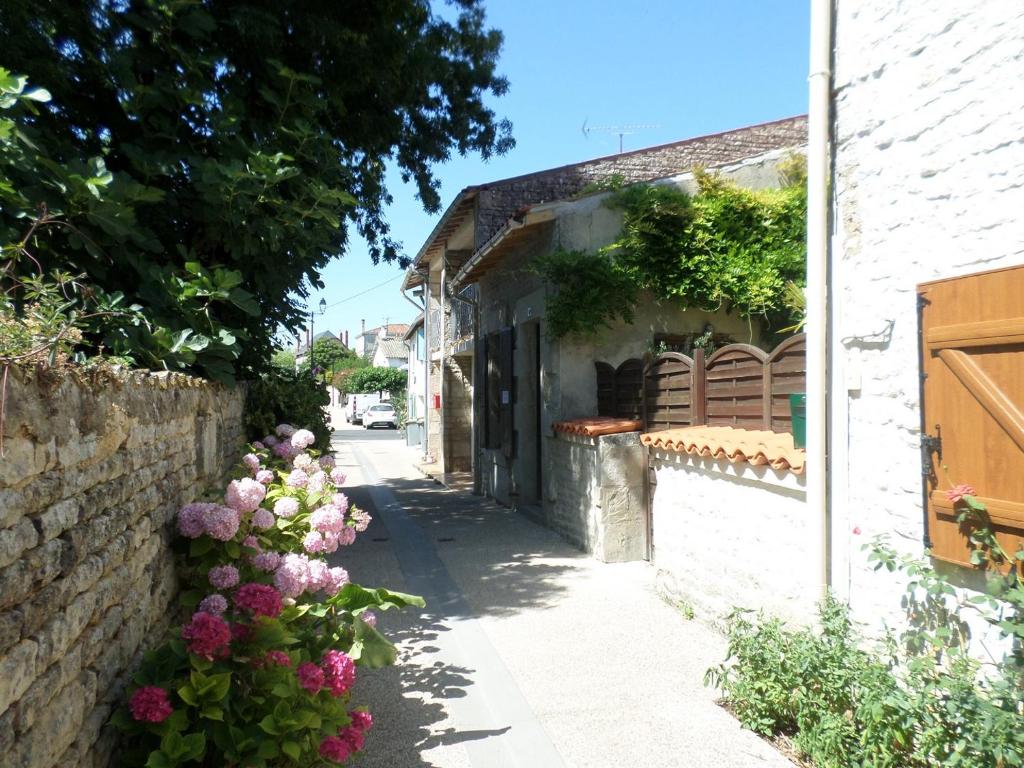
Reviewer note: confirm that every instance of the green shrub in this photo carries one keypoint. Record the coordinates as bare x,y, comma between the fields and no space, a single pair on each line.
281,396
845,705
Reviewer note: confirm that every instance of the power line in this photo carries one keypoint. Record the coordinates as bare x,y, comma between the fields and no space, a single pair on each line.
361,293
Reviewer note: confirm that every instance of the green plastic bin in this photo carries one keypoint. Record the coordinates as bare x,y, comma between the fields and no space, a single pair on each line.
798,410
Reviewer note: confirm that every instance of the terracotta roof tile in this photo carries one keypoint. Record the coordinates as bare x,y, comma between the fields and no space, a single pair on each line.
597,425
754,446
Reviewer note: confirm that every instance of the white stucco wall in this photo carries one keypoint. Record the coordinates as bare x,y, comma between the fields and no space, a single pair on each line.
732,535
928,183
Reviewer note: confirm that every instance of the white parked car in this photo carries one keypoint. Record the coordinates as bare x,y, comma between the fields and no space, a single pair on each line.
382,414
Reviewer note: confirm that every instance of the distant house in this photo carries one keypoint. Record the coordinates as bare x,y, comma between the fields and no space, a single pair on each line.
499,381
302,351
365,343
390,353
416,390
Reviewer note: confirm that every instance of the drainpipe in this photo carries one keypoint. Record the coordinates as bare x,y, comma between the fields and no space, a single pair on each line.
425,309
444,343
818,170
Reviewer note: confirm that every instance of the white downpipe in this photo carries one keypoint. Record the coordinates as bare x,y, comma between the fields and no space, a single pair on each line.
818,171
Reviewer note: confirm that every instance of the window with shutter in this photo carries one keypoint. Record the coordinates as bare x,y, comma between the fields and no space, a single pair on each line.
972,365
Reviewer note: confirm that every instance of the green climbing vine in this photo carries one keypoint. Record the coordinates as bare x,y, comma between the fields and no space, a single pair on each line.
724,247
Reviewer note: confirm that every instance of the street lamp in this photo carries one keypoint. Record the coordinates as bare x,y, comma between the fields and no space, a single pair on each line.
312,333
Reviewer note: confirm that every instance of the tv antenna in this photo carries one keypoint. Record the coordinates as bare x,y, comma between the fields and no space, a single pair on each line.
621,130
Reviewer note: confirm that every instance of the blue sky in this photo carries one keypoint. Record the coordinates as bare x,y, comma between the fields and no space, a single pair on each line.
689,67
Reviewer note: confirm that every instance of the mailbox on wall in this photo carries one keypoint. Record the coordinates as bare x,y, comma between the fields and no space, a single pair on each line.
437,400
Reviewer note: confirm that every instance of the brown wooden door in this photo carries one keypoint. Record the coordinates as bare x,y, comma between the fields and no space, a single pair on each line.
972,345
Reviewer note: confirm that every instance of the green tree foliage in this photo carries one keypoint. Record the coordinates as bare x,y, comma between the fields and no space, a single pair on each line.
376,379
330,355
283,359
210,157
285,397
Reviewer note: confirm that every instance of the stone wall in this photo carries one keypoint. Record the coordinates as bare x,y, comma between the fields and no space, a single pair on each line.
92,475
458,414
733,535
929,164
595,495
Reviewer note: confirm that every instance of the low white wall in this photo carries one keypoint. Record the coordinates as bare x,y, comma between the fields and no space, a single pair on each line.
732,535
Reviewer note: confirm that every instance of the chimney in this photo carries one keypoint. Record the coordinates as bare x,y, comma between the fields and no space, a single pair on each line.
362,324
345,342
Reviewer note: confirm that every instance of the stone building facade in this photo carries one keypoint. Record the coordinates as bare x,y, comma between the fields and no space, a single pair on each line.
928,165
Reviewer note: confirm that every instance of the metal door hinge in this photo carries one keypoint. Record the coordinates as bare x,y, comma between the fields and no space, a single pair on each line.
930,444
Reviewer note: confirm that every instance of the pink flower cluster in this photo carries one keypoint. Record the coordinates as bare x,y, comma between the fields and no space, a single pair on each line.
214,603
337,476
266,561
278,658
223,576
297,479
286,507
215,520
252,462
259,599
339,672
263,519
311,677
265,477
298,574
244,495
302,439
285,430
209,635
360,519
150,704
339,748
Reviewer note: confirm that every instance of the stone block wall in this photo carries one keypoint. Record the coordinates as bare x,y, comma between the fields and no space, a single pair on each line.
92,474
595,494
732,535
458,414
927,184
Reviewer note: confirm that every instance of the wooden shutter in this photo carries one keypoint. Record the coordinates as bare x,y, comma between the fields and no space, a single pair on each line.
972,358
492,393
629,386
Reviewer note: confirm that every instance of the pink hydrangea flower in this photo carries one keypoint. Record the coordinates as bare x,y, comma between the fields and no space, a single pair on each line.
346,536
311,677
369,618
223,576
264,477
244,495
296,479
339,672
318,575
285,430
252,542
286,507
150,704
327,518
221,522
292,575
353,737
284,450
330,542
263,519
270,441
214,603
266,561
192,519
361,720
258,446
340,500
302,439
361,519
957,492
259,599
335,749
251,461
337,476
316,482
209,636
280,658
313,543
337,577
326,462
302,461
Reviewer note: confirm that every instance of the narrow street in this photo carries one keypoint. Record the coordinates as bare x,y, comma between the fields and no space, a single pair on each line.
528,653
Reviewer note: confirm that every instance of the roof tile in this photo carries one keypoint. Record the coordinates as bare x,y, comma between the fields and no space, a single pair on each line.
597,426
754,446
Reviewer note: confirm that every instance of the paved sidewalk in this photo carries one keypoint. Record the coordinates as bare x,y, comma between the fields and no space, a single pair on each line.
529,653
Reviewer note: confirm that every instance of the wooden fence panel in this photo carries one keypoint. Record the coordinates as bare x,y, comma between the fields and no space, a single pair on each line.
787,375
739,386
629,388
669,392
605,389
735,387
